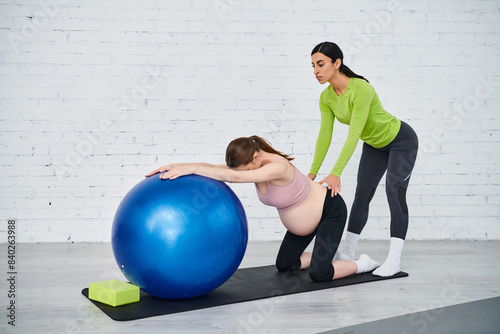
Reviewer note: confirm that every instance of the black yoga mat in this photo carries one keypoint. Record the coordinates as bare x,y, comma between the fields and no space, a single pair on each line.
479,317
246,284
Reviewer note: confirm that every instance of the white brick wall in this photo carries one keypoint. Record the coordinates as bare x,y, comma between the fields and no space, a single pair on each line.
94,94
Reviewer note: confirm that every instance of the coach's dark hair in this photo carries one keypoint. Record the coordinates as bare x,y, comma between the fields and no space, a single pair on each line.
333,51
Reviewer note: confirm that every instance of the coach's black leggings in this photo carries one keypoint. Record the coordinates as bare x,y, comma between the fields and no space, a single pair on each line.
328,235
398,159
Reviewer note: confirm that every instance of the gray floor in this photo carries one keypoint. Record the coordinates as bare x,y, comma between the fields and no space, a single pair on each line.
50,278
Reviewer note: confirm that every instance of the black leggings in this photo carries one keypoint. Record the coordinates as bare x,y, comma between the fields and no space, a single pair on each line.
398,158
328,235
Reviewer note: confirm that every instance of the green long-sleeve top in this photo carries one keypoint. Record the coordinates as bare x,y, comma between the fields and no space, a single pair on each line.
360,108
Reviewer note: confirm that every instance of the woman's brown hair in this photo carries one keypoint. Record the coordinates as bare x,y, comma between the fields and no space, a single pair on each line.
241,150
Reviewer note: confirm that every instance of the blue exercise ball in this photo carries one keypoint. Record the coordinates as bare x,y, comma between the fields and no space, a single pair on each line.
179,238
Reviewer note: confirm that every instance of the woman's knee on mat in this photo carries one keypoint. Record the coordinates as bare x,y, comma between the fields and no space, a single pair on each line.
284,264
321,273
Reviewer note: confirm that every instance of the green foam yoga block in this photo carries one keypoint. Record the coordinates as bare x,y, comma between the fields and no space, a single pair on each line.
113,292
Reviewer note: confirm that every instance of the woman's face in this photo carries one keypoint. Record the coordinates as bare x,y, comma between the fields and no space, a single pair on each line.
324,68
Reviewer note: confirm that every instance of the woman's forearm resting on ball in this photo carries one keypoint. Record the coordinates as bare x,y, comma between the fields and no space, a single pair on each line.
221,172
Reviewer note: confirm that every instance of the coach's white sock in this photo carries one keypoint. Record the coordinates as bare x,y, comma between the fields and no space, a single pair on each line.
365,264
391,266
348,248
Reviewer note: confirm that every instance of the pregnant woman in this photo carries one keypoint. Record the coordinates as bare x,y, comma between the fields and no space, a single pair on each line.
306,208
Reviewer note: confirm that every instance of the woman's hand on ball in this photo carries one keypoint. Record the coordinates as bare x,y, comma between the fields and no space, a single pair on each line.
173,171
177,171
159,170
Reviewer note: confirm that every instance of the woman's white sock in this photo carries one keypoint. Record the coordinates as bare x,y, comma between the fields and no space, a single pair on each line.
348,252
391,266
365,264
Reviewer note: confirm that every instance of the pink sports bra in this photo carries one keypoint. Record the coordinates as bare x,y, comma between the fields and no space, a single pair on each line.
288,196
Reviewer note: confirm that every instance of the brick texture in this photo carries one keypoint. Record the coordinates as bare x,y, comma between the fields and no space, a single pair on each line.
95,94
